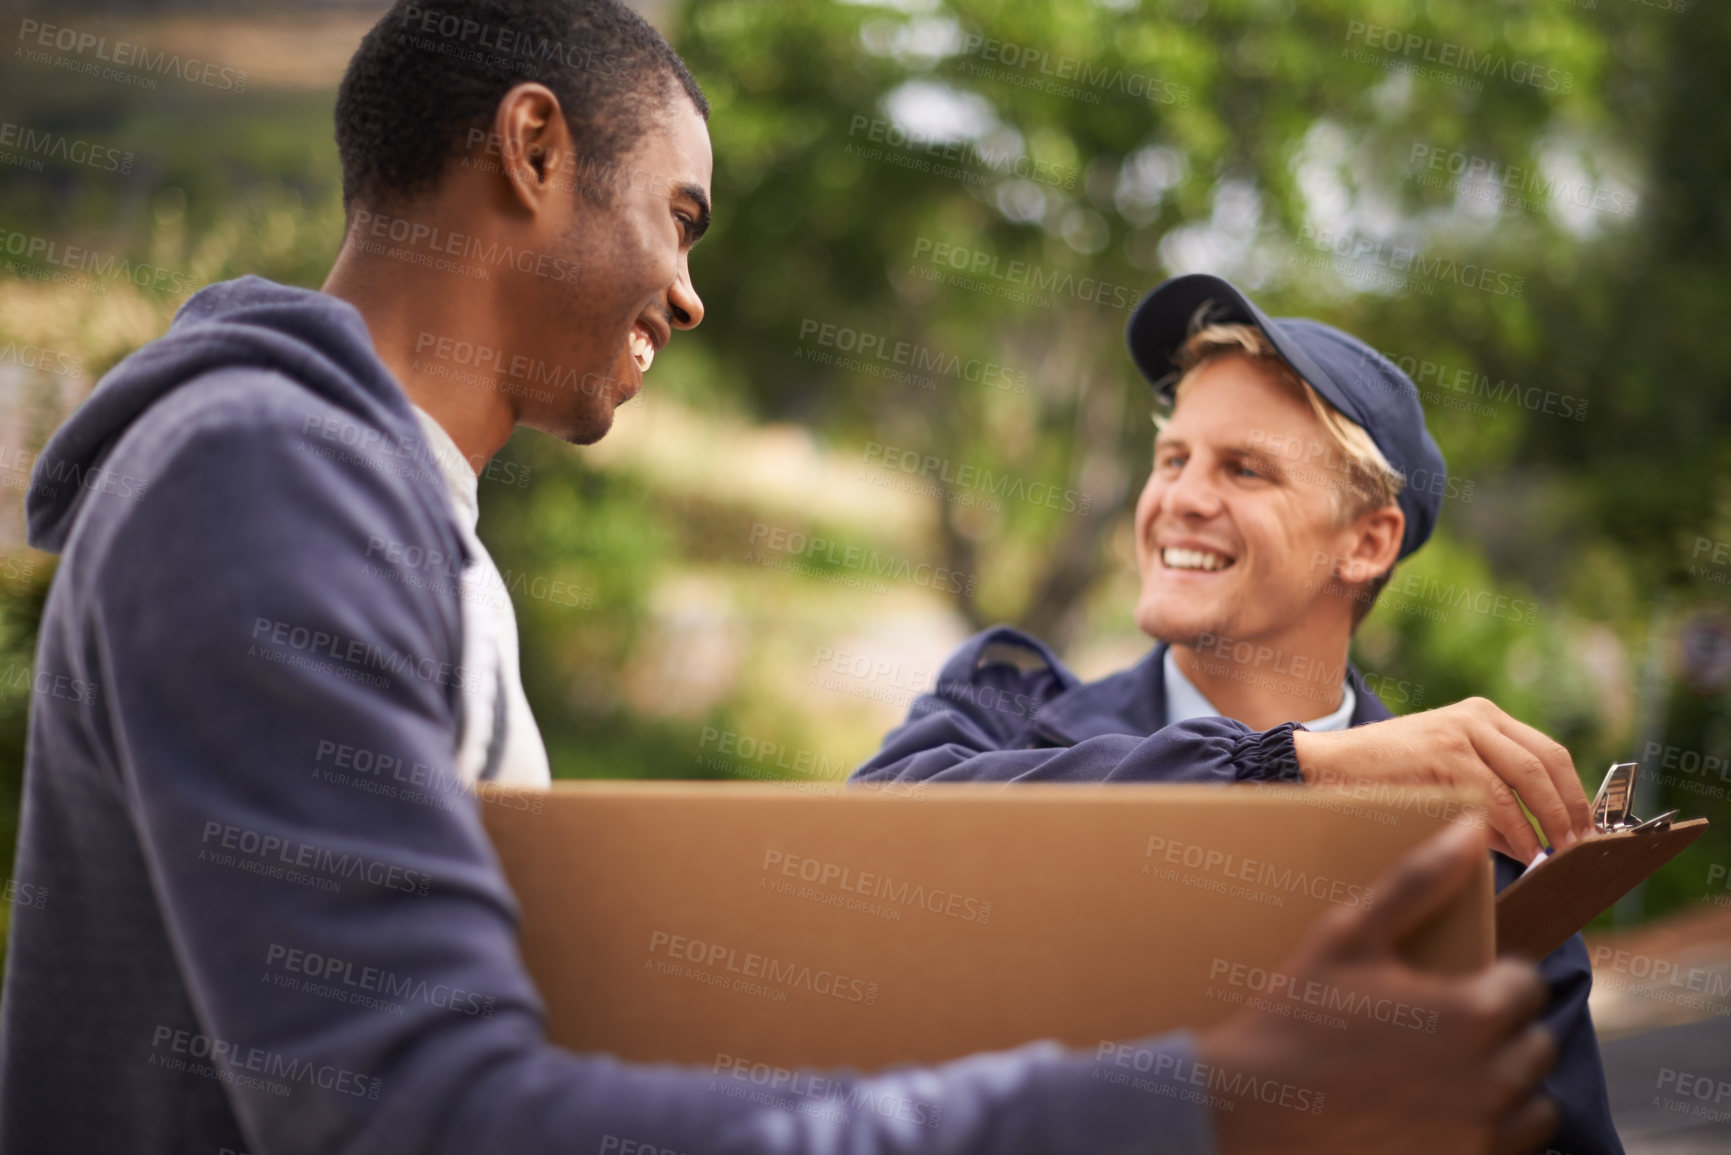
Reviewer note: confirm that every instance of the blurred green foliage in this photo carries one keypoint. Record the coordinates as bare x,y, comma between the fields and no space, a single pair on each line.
1273,124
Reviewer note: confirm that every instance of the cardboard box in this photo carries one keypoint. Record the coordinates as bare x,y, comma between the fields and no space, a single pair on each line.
714,922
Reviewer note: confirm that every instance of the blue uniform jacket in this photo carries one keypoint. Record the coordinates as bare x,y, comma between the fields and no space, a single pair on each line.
1005,709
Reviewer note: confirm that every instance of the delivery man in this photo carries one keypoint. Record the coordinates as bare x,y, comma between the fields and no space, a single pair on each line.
1292,474
272,921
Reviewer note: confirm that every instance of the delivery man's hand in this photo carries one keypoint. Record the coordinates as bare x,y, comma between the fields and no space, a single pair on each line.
1427,1064
1472,745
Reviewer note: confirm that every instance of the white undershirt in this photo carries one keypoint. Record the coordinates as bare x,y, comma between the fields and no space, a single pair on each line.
1184,701
490,657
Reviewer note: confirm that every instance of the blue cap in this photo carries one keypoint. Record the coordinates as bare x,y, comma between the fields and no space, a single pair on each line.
1361,383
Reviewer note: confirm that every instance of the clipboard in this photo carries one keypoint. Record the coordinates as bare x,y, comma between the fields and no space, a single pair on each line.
1562,893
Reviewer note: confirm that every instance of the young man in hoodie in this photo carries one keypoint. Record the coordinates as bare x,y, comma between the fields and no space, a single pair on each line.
273,920
1293,471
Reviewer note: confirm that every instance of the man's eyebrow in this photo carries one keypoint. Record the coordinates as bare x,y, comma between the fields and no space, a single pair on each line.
697,196
1243,451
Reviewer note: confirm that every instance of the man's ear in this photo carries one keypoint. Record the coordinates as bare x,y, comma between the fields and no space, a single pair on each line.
1373,545
534,143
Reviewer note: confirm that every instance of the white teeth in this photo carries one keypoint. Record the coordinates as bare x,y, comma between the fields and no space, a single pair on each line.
642,349
1193,559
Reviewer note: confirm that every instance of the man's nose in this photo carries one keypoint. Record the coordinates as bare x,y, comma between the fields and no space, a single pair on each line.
684,305
1192,493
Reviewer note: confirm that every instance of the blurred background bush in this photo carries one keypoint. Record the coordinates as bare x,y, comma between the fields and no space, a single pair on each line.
1543,239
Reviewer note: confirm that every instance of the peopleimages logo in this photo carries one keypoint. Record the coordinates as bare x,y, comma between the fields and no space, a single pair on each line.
905,354
414,234
63,687
1020,280
48,474
801,1090
129,58
104,266
496,44
859,559
1048,68
1301,667
370,980
969,152
1325,997
1453,596
272,637
878,886
291,852
1484,178
1467,389
1391,265
1664,977
229,1060
1002,486
1257,872
33,144
42,360
751,966
1169,1071
1489,65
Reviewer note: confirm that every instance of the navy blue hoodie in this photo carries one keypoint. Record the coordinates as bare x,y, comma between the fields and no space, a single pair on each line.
266,917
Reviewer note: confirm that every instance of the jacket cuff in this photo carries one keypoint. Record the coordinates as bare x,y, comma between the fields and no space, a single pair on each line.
1269,756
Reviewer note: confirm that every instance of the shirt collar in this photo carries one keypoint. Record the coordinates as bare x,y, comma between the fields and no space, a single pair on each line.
1134,701
1184,701
460,480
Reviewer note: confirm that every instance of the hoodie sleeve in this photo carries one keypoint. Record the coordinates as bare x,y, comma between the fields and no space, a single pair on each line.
977,724
282,721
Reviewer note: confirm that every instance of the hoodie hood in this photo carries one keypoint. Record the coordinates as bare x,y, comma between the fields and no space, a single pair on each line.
316,340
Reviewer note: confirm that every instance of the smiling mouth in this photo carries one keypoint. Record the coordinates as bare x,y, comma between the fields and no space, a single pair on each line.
642,347
1173,557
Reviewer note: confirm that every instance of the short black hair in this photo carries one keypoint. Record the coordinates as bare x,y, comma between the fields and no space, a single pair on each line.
428,73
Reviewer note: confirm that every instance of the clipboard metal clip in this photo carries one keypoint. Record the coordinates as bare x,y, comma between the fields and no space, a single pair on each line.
1613,805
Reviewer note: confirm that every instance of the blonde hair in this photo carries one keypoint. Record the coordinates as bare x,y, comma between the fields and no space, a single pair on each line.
1370,482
